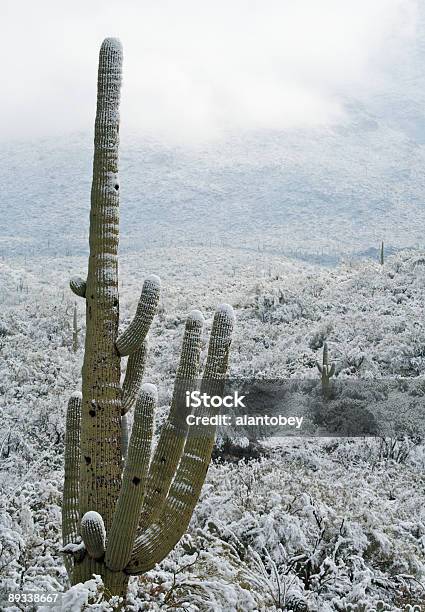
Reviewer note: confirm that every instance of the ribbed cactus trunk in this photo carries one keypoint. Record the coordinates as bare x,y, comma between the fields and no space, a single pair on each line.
100,472
101,407
124,508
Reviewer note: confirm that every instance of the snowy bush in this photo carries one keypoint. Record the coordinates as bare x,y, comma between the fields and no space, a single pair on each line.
311,525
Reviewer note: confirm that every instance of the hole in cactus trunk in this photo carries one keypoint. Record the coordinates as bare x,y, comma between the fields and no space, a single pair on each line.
136,480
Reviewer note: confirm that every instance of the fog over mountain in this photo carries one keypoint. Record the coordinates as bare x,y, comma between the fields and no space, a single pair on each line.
318,191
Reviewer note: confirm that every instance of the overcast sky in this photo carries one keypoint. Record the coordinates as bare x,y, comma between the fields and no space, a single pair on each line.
194,69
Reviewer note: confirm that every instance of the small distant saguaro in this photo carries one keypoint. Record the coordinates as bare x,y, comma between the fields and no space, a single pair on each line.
124,507
326,370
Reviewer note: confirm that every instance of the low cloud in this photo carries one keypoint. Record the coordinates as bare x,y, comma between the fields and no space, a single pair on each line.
194,70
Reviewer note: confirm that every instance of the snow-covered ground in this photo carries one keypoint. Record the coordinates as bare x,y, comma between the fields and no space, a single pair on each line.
313,525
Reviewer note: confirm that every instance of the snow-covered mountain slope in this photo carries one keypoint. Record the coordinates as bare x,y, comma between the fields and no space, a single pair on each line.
315,525
324,193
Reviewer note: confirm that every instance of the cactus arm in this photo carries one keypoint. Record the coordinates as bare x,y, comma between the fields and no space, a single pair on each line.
319,367
126,517
100,472
133,377
78,286
173,434
159,538
70,507
332,370
93,532
131,339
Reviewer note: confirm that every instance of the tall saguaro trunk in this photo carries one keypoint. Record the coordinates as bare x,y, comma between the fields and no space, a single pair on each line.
100,475
125,507
100,471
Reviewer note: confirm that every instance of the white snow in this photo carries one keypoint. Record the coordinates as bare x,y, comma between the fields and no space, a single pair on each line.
196,315
356,514
150,390
226,309
73,548
153,279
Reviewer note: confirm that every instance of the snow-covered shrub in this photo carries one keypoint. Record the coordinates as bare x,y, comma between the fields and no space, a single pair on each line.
320,524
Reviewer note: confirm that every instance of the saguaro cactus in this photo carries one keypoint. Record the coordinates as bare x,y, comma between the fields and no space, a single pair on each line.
381,257
326,371
123,511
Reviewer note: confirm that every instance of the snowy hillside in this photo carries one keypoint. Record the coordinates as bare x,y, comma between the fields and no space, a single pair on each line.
364,183
314,524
